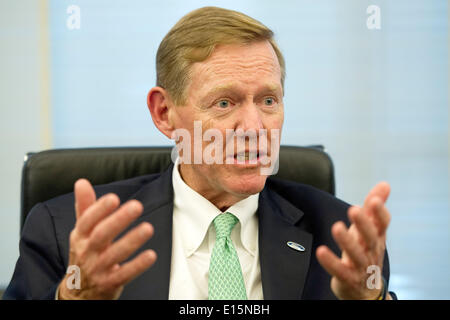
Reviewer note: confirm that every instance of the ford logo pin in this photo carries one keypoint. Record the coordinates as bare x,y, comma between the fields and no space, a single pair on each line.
295,246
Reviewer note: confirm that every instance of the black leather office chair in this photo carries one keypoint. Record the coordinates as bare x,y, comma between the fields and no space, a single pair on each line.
51,173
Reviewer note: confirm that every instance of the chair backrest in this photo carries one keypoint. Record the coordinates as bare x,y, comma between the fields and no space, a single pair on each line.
51,173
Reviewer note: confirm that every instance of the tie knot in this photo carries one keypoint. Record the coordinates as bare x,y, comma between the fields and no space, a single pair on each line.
224,223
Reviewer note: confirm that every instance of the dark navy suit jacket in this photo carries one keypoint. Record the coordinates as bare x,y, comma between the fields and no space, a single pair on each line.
287,211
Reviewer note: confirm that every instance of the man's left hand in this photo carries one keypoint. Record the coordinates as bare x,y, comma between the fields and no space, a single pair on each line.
362,245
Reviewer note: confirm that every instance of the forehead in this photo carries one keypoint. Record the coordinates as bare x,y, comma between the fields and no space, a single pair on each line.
237,64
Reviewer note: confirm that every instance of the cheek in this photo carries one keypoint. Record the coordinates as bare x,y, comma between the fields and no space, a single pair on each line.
277,123
274,128
274,121
185,118
280,118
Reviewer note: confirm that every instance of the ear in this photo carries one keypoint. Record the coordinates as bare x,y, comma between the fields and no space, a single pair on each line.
159,105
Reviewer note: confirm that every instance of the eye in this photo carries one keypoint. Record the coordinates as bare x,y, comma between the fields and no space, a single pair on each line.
223,104
269,101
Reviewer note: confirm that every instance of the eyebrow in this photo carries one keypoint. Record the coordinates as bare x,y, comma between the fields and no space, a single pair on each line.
220,89
268,87
272,88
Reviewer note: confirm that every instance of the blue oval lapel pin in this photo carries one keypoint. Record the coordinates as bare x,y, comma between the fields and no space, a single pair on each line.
295,246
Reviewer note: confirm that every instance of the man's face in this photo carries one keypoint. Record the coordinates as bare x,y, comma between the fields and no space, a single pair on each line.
237,87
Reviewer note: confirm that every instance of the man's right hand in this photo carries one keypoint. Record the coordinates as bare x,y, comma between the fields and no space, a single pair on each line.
92,248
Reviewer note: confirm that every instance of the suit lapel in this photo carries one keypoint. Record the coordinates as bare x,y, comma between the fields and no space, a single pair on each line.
283,269
157,198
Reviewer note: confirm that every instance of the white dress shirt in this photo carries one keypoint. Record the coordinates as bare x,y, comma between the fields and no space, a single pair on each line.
194,236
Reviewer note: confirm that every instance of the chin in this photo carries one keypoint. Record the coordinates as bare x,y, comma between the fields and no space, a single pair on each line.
247,184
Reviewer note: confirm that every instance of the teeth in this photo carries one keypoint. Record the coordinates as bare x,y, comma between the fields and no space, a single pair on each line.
246,156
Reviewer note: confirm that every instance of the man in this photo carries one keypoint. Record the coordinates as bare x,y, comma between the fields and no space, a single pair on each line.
208,229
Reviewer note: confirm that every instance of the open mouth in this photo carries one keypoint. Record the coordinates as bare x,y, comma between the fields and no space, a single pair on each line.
247,156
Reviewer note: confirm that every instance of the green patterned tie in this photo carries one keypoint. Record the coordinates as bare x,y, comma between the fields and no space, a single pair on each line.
225,275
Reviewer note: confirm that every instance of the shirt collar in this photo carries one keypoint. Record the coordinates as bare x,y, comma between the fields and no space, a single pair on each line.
196,214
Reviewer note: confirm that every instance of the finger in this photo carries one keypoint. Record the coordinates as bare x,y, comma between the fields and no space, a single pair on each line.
84,196
96,212
348,244
125,246
109,228
381,215
333,265
381,189
365,227
130,270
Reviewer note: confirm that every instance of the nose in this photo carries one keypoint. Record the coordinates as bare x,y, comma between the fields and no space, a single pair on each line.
250,118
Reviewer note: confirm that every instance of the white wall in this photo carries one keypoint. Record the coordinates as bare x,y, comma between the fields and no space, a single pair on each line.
21,114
